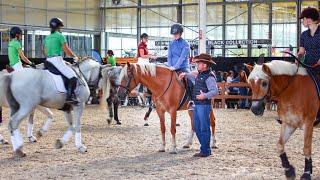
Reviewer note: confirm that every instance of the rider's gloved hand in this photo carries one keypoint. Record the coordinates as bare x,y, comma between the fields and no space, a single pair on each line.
172,68
75,60
33,65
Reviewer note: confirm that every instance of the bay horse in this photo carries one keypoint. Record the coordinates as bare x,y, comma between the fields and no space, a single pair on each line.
298,104
167,94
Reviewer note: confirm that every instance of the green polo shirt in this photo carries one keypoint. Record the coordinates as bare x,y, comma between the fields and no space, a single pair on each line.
13,51
53,44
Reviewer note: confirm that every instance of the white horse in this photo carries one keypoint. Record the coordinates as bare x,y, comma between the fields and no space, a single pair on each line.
26,89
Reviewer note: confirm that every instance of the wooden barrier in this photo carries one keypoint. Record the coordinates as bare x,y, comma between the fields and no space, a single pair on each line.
223,96
123,61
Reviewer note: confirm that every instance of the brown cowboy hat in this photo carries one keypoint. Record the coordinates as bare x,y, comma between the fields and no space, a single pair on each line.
311,13
203,58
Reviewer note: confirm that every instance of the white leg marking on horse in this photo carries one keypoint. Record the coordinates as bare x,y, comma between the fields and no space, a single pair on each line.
66,136
29,130
78,140
16,140
46,125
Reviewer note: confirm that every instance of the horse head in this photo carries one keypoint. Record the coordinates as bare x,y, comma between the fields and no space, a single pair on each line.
259,80
128,80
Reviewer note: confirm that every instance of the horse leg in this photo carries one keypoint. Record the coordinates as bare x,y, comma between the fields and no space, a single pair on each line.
60,142
30,136
15,120
146,116
173,116
308,130
213,129
109,102
115,109
191,134
45,127
78,142
286,132
161,114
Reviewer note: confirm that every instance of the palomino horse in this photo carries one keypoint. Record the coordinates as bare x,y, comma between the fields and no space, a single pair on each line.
167,93
298,104
18,90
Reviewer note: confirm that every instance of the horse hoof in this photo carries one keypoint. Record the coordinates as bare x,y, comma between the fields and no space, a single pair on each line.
305,176
4,142
146,124
58,144
32,139
173,151
214,147
39,134
177,124
118,123
19,153
82,149
162,150
186,146
290,173
109,121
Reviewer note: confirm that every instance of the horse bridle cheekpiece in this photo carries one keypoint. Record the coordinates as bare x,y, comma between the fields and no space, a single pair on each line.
127,86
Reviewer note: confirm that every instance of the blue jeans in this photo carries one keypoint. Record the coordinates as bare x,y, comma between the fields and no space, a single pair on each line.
201,116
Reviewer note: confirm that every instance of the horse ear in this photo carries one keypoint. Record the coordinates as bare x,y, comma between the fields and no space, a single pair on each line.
249,67
266,70
260,59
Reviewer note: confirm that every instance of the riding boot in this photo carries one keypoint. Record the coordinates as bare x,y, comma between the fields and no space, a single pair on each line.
71,97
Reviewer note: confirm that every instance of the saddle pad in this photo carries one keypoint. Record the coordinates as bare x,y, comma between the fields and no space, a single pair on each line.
314,76
58,82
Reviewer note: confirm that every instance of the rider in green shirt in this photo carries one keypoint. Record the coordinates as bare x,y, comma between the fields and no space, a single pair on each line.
15,50
111,58
55,44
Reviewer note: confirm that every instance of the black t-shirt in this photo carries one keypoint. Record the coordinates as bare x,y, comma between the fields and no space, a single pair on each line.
311,45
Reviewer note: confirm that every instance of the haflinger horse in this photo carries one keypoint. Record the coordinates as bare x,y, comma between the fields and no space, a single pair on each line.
18,90
298,104
167,93
111,76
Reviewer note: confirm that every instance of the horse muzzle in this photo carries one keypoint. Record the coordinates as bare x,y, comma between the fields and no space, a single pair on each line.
258,107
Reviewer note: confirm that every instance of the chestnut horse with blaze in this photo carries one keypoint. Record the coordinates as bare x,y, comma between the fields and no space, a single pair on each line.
298,104
167,93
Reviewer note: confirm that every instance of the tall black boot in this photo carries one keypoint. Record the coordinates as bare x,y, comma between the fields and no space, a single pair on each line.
71,97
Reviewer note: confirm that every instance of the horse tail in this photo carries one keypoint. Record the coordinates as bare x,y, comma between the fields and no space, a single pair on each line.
105,90
5,81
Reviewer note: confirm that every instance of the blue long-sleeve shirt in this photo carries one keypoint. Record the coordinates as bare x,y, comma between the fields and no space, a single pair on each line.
211,85
178,54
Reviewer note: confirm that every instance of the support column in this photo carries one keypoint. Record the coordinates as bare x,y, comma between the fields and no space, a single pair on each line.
249,46
270,29
33,44
299,4
224,28
103,44
25,41
138,21
202,26
179,12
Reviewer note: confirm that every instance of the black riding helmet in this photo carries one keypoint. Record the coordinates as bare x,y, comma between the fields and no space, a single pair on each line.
55,23
14,31
110,52
144,35
176,29
311,13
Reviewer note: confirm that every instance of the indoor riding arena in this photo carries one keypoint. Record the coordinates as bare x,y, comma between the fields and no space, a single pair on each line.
159,89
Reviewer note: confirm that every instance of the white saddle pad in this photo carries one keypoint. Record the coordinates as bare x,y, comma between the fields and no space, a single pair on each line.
58,82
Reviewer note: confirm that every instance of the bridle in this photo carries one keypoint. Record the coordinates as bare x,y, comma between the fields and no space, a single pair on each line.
127,86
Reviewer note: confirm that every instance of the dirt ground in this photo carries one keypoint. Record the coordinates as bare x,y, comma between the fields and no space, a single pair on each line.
247,149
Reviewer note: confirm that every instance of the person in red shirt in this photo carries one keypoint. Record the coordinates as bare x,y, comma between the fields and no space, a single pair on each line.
143,53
